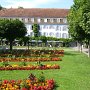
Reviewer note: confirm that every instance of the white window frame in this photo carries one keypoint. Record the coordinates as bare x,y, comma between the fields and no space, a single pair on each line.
26,20
38,20
64,20
51,20
45,19
32,19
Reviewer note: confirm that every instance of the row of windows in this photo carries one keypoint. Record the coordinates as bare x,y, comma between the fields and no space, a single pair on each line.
45,20
57,27
51,34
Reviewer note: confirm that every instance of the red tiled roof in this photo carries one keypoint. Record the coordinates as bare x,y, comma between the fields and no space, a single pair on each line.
34,12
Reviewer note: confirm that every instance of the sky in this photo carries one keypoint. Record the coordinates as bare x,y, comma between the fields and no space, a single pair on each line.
36,3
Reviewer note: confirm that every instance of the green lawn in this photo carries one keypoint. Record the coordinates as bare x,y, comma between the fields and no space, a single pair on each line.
73,75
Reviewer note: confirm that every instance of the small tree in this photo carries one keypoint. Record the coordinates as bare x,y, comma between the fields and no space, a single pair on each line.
35,28
12,29
43,39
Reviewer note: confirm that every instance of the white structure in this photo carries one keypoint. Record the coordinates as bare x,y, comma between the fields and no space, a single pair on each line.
52,22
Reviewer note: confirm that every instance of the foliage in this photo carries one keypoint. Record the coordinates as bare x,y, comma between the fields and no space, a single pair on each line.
79,21
1,7
43,39
5,63
23,63
41,77
25,39
35,29
74,19
12,29
73,75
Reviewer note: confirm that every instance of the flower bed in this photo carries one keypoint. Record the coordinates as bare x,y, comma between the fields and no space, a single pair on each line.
31,59
32,83
30,67
34,53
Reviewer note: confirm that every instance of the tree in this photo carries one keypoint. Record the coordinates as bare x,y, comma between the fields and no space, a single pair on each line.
1,7
85,22
35,28
79,20
74,18
43,39
12,29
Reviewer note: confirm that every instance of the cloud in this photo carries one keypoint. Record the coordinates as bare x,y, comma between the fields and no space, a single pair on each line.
28,3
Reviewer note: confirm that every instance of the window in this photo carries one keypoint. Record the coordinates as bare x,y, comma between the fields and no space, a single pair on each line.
40,27
26,20
51,34
51,20
45,27
58,28
45,20
38,20
32,19
43,33
58,20
21,19
64,28
64,35
48,20
57,35
51,27
65,20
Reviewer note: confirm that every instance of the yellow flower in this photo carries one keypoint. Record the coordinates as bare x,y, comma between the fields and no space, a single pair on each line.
48,65
7,88
15,65
35,84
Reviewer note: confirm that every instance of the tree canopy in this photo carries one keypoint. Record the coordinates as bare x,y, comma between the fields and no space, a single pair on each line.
12,29
35,29
79,20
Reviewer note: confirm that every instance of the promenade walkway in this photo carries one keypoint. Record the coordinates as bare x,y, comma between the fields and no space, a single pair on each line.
84,50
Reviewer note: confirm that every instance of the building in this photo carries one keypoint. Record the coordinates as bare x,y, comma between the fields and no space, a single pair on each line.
52,22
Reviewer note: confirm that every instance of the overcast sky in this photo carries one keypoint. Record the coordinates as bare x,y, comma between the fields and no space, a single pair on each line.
36,3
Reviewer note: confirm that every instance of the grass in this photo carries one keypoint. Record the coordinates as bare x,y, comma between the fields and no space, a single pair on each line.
73,75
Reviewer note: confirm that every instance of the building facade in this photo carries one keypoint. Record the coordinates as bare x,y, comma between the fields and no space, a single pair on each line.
52,22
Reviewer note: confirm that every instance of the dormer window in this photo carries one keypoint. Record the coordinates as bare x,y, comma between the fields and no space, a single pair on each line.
65,20
21,19
26,20
45,20
59,20
38,20
51,20
32,19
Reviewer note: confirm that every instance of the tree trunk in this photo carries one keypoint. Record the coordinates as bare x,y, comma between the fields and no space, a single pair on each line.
81,48
28,45
89,49
78,45
2,42
11,42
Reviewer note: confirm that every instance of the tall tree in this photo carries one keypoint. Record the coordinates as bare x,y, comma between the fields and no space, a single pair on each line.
79,20
85,23
12,29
